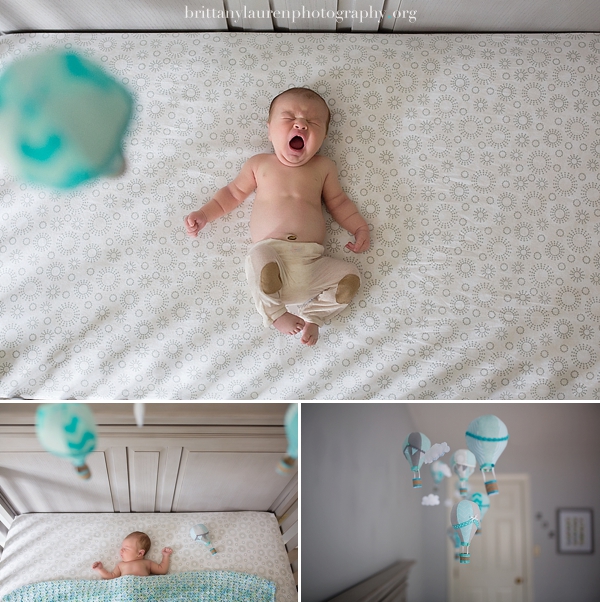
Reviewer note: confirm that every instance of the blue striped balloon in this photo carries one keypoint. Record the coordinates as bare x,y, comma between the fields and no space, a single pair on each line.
487,437
465,518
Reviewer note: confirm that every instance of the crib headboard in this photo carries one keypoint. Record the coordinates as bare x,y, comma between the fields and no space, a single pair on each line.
387,16
187,458
389,585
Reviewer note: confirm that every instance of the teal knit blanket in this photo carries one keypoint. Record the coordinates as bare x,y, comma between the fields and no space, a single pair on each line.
203,586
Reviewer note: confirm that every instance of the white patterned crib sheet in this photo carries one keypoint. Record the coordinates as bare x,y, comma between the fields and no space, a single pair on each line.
200,586
64,546
475,159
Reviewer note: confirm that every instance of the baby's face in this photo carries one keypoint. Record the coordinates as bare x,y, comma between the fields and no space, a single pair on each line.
130,549
297,128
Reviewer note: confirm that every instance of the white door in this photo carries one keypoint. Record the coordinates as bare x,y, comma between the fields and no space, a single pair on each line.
500,567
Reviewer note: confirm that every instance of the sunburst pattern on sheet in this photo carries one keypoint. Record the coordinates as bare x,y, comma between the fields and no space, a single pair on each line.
474,158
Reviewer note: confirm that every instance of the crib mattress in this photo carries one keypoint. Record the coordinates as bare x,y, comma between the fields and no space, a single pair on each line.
46,547
474,158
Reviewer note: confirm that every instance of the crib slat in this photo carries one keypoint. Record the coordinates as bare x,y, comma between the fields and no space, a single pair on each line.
249,15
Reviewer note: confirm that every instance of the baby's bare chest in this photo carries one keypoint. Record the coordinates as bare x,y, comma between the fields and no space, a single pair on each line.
135,567
296,182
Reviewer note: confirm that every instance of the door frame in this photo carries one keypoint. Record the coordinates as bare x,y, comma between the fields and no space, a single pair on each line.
524,480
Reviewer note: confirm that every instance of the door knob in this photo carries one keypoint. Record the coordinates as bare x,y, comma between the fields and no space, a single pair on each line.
518,580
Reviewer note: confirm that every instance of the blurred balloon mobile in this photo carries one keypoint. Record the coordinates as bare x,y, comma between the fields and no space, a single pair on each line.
290,423
62,119
483,501
465,519
414,448
199,533
67,430
417,449
487,437
455,539
463,465
439,470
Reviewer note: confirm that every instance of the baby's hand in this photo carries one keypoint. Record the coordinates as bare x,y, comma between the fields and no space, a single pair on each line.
195,221
167,551
97,566
363,240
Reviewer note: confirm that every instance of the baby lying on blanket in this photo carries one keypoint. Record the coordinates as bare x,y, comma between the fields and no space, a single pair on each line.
286,265
135,546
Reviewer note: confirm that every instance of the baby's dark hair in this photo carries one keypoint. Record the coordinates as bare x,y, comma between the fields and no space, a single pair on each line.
307,93
142,539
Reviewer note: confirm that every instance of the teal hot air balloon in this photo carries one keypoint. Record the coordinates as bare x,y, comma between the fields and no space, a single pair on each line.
455,539
414,448
290,423
463,465
67,430
200,534
483,501
465,519
487,437
439,470
62,119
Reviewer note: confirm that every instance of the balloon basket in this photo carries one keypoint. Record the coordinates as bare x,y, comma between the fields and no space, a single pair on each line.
465,558
491,487
83,472
462,491
213,551
286,465
478,532
417,482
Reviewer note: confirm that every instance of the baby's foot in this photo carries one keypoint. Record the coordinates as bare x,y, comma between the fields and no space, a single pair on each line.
310,334
289,323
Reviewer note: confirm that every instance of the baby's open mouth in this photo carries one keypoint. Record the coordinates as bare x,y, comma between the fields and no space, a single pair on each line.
297,143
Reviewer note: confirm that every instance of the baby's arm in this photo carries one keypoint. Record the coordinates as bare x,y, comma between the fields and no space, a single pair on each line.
345,212
225,200
97,566
163,567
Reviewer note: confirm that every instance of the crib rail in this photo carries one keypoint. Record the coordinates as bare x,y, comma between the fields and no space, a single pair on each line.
285,508
389,585
7,516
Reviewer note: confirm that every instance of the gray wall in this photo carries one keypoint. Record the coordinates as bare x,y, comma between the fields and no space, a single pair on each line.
356,485
558,445
359,511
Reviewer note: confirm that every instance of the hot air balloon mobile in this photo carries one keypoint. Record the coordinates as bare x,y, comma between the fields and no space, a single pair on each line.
465,518
290,423
463,465
199,533
487,437
62,119
483,501
414,448
67,430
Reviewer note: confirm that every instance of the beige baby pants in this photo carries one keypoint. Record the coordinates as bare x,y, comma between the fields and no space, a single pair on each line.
284,273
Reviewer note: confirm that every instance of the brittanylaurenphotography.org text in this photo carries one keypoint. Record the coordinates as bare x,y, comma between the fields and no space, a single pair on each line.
300,13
